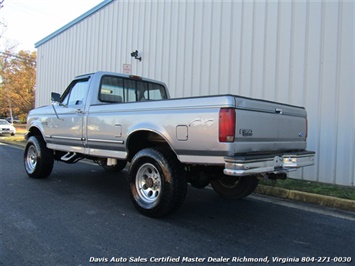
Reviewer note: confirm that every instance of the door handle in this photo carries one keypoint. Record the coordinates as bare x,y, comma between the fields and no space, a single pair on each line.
278,111
79,111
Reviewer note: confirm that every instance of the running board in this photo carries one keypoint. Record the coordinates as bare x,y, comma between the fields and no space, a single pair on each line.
70,157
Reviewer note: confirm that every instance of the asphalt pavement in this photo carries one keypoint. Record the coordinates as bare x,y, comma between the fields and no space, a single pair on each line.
82,215
332,202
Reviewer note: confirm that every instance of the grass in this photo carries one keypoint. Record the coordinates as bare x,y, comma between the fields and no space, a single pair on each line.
19,138
313,187
291,184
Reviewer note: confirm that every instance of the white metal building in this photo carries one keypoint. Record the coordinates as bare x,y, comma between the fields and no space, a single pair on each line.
297,52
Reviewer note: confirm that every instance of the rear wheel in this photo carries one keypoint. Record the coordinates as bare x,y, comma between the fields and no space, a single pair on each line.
38,159
157,184
232,187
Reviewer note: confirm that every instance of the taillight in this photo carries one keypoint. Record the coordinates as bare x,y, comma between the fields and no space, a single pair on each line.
227,125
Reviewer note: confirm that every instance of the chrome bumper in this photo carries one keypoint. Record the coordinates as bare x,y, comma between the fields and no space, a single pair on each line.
270,163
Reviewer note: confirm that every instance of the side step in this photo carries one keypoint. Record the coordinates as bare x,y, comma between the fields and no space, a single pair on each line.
70,157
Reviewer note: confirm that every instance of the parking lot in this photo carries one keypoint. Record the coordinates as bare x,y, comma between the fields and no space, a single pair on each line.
82,215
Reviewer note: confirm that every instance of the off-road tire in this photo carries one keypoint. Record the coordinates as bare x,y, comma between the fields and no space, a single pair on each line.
157,183
38,159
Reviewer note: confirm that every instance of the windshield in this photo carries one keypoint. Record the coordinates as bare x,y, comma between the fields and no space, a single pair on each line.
4,122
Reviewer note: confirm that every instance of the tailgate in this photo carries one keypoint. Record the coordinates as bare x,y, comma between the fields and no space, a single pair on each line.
269,126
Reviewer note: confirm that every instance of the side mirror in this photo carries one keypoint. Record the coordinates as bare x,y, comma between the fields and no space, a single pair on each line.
55,97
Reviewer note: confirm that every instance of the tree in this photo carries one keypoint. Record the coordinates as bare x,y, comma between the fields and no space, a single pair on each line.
3,25
17,90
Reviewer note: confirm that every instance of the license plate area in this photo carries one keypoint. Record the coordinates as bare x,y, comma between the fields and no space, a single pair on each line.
278,162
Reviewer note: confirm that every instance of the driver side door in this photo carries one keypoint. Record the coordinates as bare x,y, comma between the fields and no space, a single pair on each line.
67,128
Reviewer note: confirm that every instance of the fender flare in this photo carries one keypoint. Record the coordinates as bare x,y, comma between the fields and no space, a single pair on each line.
35,128
147,128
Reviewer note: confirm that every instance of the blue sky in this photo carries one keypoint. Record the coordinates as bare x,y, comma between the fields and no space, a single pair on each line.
29,21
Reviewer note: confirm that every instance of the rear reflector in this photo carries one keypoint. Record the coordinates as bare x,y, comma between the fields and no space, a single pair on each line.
227,125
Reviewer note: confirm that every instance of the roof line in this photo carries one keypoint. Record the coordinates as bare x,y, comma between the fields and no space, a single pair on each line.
72,23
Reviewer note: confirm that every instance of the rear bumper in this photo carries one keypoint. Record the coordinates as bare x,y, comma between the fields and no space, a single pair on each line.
267,163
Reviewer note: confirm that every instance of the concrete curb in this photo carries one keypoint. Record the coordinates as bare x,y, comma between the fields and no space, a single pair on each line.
332,202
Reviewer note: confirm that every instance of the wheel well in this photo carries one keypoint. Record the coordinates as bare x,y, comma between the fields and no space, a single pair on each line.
144,139
33,131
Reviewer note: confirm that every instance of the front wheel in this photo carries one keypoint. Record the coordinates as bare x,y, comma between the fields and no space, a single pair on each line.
38,159
157,184
232,187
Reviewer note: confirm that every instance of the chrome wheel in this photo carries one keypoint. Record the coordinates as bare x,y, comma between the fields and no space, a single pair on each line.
148,184
38,159
157,184
31,159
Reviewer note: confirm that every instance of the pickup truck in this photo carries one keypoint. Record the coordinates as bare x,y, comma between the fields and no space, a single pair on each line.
226,141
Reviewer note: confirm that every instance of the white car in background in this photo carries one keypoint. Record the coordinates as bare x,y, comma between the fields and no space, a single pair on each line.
6,128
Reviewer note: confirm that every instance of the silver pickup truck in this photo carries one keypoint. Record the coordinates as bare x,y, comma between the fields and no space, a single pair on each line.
227,141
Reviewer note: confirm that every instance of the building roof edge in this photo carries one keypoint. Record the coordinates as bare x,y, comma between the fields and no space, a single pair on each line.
73,22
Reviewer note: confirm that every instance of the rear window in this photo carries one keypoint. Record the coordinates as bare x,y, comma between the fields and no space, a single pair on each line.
123,90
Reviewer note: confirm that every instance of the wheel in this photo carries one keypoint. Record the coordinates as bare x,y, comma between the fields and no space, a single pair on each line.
38,159
232,187
157,184
121,164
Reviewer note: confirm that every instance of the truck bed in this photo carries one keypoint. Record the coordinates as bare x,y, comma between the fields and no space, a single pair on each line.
190,126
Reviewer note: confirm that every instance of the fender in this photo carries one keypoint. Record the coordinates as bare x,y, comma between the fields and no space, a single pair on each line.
152,133
35,127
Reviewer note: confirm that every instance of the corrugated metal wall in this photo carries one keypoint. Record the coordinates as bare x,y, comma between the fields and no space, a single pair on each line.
299,52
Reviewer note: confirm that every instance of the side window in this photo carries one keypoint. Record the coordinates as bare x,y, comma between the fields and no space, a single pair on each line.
76,93
147,91
156,92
